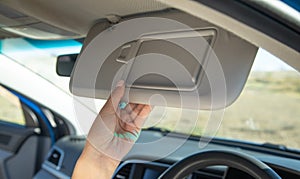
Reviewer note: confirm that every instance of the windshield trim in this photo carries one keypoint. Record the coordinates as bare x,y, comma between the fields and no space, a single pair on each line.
282,10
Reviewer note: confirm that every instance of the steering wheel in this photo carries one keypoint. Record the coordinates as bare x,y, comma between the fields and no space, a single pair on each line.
232,159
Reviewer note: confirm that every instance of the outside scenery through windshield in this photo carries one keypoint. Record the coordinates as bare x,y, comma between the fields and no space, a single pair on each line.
266,111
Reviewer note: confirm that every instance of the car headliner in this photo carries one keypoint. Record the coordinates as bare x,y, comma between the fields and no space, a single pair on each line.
76,17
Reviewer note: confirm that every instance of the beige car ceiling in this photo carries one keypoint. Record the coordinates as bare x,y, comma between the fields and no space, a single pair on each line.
73,19
78,16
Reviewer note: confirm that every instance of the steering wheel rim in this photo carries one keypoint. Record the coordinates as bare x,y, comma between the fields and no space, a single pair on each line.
233,159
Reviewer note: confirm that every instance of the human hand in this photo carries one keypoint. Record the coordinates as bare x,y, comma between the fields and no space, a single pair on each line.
111,136
115,130
126,121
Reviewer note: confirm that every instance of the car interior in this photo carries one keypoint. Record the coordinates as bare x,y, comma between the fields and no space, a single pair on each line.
180,56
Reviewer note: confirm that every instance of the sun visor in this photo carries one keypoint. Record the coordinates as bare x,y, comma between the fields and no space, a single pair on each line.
173,60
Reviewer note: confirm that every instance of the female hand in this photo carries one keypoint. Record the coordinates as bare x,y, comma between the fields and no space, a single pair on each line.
111,136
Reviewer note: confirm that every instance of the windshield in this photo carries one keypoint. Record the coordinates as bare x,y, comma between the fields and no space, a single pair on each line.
266,111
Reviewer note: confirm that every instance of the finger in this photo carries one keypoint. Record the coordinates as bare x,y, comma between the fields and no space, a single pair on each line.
145,111
125,117
116,95
142,115
129,118
130,107
122,126
136,110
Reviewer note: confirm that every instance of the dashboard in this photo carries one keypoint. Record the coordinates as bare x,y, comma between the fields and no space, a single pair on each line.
155,156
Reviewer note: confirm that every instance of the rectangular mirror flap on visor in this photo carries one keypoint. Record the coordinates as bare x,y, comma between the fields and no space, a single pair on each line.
170,61
194,65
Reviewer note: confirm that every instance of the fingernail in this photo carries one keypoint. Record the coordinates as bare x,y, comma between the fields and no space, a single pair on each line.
120,83
122,105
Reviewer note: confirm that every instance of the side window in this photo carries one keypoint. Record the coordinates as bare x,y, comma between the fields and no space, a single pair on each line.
11,110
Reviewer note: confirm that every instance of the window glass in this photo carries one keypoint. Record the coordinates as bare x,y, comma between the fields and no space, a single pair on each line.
267,111
10,108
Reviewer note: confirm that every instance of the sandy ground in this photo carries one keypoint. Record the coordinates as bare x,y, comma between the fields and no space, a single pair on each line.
268,110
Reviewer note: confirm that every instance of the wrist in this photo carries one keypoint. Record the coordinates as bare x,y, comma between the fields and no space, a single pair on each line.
94,164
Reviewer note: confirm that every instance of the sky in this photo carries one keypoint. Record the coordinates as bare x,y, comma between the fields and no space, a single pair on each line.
264,61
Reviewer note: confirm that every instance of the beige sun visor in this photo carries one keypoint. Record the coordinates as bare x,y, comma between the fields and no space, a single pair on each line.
166,59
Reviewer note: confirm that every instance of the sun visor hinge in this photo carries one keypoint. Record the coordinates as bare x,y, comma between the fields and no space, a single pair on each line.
113,19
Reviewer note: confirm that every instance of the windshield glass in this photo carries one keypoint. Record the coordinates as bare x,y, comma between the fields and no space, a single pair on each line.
40,56
266,111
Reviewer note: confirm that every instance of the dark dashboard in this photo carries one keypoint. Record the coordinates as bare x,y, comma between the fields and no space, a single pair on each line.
150,160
